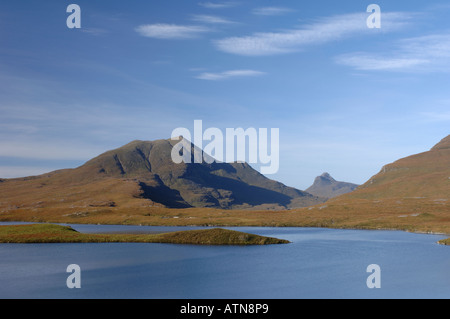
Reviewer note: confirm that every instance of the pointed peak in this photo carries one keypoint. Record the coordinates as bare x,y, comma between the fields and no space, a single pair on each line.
327,176
326,186
443,144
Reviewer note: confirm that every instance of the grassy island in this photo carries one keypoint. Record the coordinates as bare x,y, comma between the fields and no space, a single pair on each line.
51,233
445,242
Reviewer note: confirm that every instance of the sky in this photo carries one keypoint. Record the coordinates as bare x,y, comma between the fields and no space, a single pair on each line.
347,99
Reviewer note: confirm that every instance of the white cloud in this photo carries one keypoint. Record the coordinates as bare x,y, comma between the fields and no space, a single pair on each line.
211,19
217,5
229,74
436,116
323,31
430,46
171,31
425,53
94,31
367,62
271,11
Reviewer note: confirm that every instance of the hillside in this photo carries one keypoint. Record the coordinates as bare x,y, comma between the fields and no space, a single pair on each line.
141,175
425,175
410,194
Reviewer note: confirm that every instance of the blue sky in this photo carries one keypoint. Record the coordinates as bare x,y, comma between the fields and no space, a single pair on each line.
347,99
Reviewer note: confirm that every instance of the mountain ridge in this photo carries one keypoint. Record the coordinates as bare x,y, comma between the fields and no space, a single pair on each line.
143,170
411,194
443,144
424,174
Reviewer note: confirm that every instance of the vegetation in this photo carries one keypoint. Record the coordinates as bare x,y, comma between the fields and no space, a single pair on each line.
409,214
411,194
143,173
49,233
445,242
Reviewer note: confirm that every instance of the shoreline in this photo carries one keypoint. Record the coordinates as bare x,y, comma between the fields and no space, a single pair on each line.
445,241
231,225
45,233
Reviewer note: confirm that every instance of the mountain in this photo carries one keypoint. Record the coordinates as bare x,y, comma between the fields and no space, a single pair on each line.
412,193
142,174
424,175
128,186
327,187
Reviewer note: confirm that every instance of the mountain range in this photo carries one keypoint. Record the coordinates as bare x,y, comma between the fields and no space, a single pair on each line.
143,173
423,175
412,193
139,184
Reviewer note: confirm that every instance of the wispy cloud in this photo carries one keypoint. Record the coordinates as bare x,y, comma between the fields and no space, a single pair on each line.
229,74
362,61
211,19
426,53
171,31
218,5
324,30
271,11
436,116
94,31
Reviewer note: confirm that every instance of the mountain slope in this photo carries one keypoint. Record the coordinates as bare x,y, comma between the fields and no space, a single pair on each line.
422,175
416,197
413,193
142,174
327,187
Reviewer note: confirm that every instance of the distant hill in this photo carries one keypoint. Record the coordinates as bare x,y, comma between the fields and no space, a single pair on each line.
142,174
327,187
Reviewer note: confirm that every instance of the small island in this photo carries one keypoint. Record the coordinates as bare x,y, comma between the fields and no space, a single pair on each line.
445,242
52,233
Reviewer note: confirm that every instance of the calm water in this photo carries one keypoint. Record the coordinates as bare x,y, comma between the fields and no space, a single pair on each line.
319,263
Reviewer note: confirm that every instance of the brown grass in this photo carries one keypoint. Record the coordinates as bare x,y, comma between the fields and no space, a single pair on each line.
412,194
48,233
411,214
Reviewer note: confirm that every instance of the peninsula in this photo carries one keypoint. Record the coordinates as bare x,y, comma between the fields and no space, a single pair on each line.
51,233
